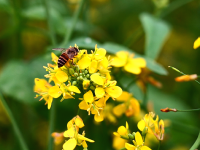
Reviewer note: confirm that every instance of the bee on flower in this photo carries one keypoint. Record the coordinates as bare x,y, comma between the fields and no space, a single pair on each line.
83,74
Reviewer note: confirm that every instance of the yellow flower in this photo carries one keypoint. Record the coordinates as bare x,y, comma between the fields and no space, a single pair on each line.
130,64
154,127
72,133
196,43
48,92
130,107
138,143
122,131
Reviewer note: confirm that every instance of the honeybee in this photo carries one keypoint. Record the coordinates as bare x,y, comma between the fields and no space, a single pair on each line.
67,54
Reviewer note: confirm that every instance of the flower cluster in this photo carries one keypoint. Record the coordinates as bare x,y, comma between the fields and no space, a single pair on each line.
86,74
125,59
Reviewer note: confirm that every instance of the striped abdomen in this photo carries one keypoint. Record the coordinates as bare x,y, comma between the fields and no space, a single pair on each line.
62,60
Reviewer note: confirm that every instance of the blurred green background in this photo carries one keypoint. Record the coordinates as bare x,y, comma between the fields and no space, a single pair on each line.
161,31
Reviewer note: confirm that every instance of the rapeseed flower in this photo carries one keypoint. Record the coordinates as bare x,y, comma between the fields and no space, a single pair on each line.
125,59
196,43
74,138
122,131
87,75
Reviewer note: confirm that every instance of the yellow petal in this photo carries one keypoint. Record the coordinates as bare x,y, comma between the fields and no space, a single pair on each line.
140,62
126,125
66,95
114,92
97,79
79,122
81,137
122,130
69,133
124,96
54,58
70,144
74,89
61,76
99,117
103,64
49,101
132,68
83,105
86,84
93,66
117,62
122,55
118,142
129,146
138,138
196,43
84,62
41,85
88,97
141,125
99,92
119,109
100,53
55,91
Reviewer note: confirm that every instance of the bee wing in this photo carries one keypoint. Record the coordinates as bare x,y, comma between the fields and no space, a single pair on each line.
59,49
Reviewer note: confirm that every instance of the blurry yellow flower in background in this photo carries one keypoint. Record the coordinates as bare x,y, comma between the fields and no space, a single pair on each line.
130,105
185,78
138,143
130,64
196,43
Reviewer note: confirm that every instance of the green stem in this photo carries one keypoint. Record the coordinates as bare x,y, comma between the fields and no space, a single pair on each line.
14,124
159,144
196,143
181,72
50,24
198,109
51,124
123,148
75,18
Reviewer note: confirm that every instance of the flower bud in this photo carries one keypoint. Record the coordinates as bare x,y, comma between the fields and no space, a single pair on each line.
76,74
71,71
85,71
80,74
131,136
86,84
145,131
92,87
88,76
80,77
74,83
69,78
77,68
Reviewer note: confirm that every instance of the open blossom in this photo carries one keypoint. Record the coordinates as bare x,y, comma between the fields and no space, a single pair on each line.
87,75
125,59
74,138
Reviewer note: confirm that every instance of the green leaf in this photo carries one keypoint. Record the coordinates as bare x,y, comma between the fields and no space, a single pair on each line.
17,79
156,31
